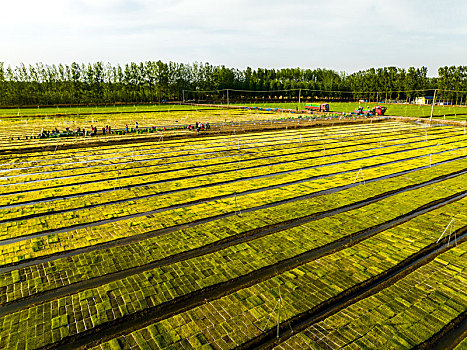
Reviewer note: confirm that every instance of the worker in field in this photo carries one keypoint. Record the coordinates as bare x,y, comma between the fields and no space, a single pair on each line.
136,125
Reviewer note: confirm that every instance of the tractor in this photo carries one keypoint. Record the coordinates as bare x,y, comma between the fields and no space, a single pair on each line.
378,110
324,107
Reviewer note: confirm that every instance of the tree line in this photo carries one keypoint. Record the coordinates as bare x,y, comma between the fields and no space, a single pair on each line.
156,81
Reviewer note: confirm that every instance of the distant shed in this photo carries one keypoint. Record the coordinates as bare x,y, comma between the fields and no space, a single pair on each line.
424,100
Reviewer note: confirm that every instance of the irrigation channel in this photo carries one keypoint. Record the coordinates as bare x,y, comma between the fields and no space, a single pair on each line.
379,181
450,337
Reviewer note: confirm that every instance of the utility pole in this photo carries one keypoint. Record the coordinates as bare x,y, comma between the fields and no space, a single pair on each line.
279,317
299,94
183,96
432,105
227,96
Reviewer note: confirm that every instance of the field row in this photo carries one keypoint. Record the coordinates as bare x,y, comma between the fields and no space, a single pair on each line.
196,243
67,239
15,131
57,160
167,192
233,160
28,281
23,133
265,176
208,165
240,316
401,316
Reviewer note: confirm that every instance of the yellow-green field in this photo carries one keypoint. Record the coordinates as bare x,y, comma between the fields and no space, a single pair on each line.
345,236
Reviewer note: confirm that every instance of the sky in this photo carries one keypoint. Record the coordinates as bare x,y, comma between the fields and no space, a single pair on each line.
344,35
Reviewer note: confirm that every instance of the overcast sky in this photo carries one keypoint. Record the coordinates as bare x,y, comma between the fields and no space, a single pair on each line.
344,35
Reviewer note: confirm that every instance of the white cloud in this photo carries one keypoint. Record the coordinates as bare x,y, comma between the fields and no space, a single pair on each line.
343,35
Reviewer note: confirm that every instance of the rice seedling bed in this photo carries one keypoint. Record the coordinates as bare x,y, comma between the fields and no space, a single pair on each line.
23,247
133,158
241,173
236,318
208,227
196,155
293,170
402,316
462,345
240,161
36,279
142,291
201,146
170,123
32,126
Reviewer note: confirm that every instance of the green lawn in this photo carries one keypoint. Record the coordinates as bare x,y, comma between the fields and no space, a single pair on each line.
405,110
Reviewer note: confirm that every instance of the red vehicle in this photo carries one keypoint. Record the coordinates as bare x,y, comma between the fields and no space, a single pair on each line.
378,110
324,107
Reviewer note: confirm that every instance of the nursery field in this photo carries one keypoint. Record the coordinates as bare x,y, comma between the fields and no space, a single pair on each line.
450,112
20,132
46,132
346,236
